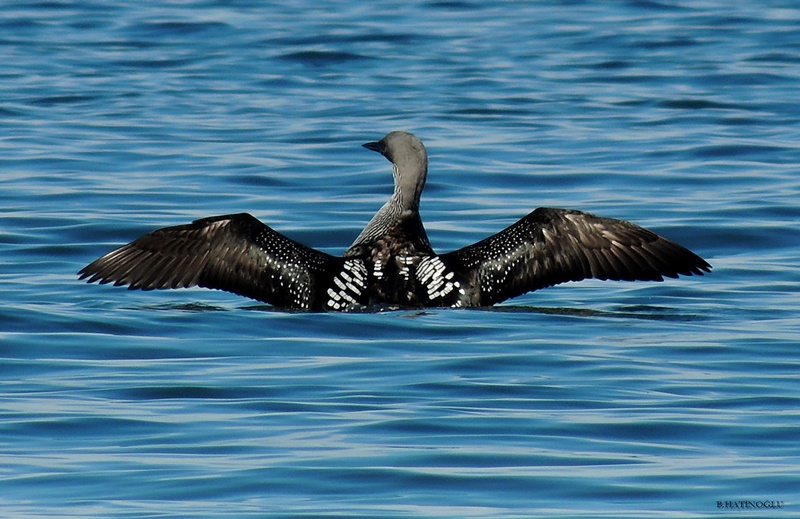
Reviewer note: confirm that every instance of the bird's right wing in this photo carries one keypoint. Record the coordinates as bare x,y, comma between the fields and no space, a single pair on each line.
236,253
552,246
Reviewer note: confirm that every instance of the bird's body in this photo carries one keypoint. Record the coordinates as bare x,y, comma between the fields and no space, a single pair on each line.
391,263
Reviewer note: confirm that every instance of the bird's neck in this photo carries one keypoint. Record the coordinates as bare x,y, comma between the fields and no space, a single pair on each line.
408,186
403,205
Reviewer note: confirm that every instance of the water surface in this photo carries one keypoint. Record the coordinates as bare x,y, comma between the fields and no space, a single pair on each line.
585,400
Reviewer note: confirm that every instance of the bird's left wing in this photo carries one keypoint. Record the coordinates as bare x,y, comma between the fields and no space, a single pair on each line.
236,253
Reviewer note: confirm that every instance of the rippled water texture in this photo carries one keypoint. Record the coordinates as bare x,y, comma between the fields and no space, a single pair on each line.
675,399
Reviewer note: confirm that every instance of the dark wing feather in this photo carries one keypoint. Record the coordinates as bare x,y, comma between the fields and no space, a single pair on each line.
236,253
551,246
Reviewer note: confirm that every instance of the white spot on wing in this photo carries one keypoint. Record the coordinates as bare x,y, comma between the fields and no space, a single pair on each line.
347,285
433,274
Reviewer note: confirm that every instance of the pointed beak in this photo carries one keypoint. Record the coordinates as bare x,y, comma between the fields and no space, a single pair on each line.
374,146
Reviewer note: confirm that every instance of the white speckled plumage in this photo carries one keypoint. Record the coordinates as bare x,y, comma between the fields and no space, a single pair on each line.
391,262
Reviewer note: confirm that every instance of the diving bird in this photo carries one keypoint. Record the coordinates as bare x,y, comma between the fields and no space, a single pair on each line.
391,264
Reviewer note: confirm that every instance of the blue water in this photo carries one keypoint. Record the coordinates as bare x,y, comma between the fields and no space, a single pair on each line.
585,400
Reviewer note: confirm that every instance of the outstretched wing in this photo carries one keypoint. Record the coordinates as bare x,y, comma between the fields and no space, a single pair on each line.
551,246
236,253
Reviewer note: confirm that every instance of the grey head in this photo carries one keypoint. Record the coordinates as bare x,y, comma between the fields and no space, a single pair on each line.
409,165
410,168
